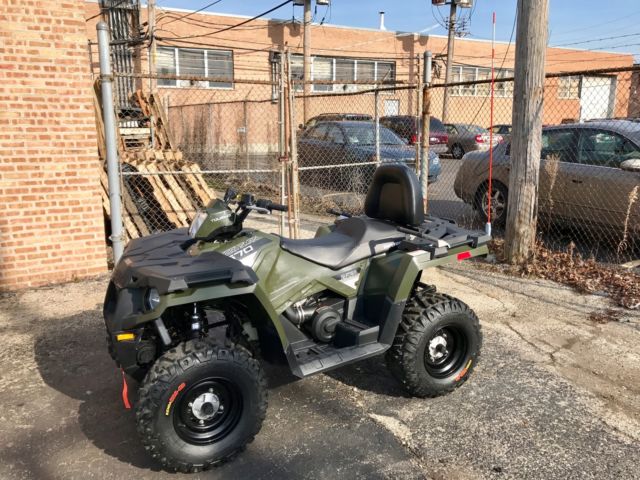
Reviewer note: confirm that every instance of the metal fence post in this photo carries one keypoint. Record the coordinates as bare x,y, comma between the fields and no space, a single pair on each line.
426,118
295,179
109,120
282,148
377,122
418,93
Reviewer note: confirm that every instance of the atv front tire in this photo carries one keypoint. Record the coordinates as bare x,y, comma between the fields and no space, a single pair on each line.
437,344
200,404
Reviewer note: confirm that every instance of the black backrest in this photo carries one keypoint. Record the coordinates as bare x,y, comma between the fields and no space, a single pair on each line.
395,195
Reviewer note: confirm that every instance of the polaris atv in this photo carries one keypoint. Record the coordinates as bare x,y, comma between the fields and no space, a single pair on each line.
191,313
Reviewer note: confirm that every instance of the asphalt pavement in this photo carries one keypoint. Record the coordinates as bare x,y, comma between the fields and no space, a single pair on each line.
553,397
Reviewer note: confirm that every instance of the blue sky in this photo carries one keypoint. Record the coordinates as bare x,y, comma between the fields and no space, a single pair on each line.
587,23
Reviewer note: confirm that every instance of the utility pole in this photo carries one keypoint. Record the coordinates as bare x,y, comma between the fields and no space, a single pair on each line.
531,44
306,50
450,44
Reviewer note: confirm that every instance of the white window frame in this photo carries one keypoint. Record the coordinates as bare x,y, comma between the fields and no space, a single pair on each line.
206,69
457,91
375,62
568,95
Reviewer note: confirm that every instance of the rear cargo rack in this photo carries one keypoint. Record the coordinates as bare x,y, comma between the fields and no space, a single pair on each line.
438,236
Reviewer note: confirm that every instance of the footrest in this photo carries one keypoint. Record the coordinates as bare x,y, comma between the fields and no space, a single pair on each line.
316,361
351,333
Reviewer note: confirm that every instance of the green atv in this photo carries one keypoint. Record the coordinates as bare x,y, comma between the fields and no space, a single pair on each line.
191,314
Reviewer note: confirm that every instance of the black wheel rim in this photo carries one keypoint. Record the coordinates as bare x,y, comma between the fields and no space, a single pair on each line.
445,351
208,411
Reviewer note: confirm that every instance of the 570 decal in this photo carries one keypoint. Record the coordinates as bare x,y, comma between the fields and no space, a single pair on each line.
245,249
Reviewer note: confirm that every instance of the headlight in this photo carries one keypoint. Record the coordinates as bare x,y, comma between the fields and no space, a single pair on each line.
152,298
197,222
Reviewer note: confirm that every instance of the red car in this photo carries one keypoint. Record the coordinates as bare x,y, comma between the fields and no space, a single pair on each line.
408,126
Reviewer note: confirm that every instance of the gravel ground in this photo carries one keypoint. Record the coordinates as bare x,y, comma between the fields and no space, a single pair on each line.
555,396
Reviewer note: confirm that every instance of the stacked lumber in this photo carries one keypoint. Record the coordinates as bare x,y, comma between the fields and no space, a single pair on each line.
160,190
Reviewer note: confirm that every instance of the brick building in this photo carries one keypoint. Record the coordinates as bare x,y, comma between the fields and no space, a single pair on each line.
51,221
351,58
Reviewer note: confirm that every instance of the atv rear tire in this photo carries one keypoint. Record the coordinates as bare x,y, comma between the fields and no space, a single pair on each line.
200,404
437,344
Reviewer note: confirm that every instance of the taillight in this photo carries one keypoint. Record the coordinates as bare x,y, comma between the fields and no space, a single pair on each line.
413,139
479,139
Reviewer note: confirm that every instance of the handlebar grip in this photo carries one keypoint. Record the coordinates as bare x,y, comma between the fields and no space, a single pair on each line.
268,204
338,213
278,207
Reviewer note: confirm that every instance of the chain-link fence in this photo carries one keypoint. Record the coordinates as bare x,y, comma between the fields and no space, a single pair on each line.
589,179
193,138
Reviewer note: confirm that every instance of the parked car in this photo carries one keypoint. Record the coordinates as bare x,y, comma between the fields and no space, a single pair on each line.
588,173
408,126
350,143
334,117
465,138
503,130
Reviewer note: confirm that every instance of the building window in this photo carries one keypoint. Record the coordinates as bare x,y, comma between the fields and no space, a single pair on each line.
472,74
215,67
569,87
334,74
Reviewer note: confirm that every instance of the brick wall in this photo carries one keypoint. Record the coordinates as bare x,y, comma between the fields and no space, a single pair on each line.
51,221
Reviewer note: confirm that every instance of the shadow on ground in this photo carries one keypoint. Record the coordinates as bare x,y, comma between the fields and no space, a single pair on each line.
297,437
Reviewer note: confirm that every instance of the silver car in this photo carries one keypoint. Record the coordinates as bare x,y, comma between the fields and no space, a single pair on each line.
464,138
589,175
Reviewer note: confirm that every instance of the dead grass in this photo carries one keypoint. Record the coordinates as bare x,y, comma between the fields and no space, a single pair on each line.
633,198
605,316
570,268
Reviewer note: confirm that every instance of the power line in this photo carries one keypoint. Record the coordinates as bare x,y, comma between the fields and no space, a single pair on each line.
239,24
203,24
194,12
595,40
600,23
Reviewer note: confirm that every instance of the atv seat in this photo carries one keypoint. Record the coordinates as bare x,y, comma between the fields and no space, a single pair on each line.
393,200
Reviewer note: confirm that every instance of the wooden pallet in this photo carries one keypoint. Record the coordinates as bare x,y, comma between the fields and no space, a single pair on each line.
164,191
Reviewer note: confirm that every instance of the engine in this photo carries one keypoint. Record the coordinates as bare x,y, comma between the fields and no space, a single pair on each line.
318,314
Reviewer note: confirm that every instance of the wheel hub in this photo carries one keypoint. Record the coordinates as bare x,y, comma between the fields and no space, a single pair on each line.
438,348
205,406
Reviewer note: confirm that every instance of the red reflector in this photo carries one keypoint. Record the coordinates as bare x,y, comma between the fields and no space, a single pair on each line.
413,139
464,255
125,392
479,139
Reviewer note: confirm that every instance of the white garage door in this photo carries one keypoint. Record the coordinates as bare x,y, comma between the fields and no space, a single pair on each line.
596,97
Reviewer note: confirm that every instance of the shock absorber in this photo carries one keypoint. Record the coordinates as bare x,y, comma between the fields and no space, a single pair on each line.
198,324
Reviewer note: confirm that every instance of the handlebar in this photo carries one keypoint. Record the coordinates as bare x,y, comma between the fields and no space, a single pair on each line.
269,205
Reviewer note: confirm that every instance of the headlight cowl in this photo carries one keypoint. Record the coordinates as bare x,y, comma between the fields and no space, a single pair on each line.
197,222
